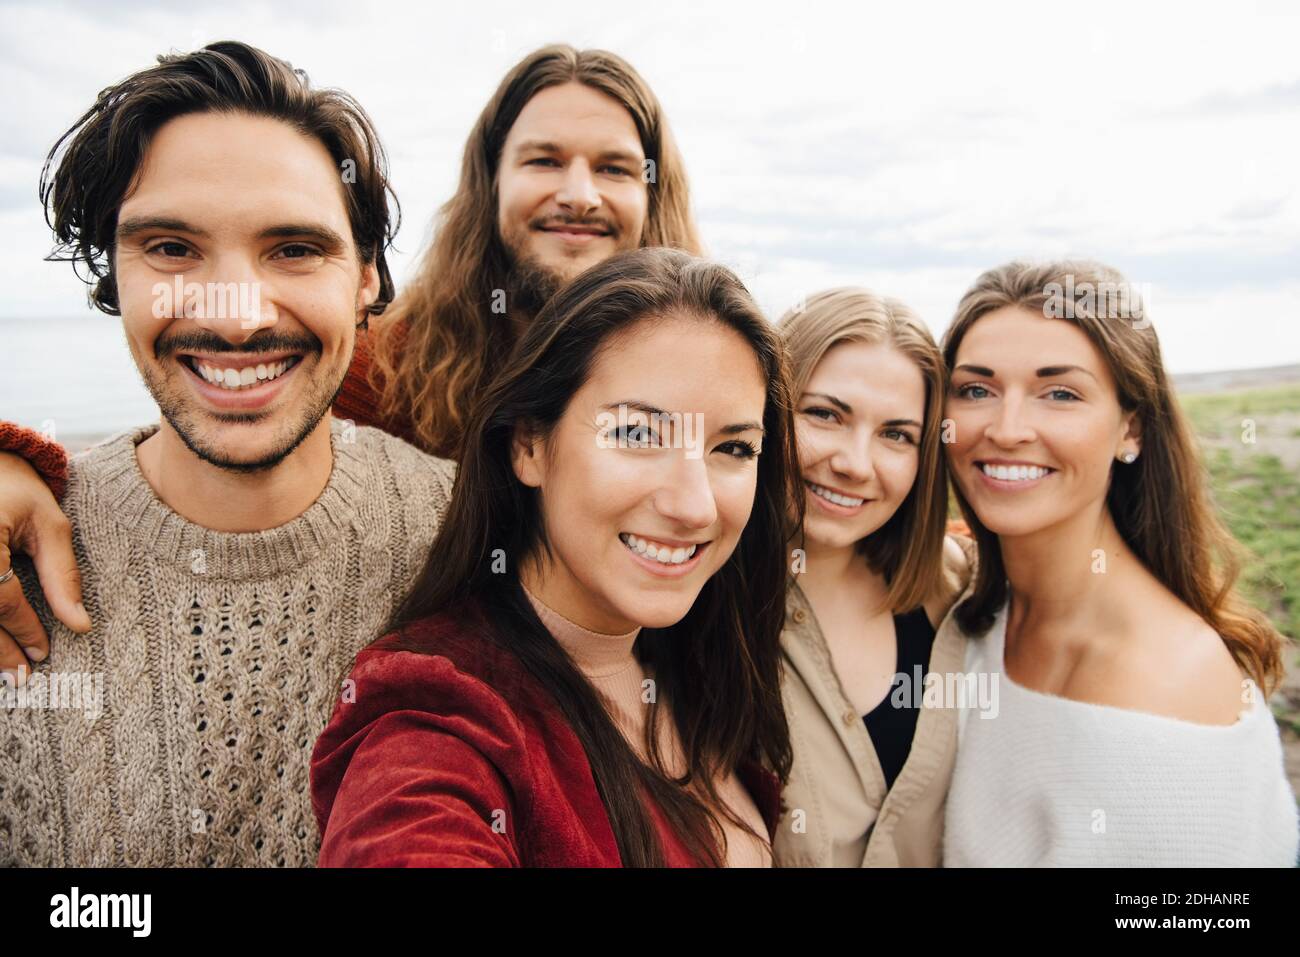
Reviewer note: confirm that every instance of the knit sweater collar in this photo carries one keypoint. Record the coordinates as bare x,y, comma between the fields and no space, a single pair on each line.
112,473
597,655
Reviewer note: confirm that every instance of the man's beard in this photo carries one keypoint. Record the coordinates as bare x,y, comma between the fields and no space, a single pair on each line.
185,420
529,284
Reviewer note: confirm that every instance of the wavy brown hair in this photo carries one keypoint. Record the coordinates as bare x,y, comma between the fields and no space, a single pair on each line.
90,169
908,549
717,669
440,343
1160,503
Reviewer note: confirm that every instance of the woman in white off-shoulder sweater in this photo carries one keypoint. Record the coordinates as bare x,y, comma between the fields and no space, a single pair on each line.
1127,726
1055,781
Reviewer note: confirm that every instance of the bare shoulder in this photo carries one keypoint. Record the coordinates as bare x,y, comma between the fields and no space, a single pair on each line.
955,575
1175,666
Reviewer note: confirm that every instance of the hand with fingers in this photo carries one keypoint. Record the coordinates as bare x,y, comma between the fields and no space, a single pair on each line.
32,523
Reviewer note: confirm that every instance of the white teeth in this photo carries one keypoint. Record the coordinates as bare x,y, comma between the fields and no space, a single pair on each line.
835,497
242,378
665,554
1014,473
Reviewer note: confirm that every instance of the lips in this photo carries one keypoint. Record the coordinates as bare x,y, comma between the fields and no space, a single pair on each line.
832,502
577,232
662,564
244,397
235,374
1008,475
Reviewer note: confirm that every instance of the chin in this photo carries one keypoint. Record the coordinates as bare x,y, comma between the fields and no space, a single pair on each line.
663,616
240,447
1007,523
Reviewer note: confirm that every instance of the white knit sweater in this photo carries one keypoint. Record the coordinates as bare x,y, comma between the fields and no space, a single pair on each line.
1054,782
213,665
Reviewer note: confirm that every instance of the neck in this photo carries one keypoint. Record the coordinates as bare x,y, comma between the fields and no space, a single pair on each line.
1068,571
559,591
226,501
831,569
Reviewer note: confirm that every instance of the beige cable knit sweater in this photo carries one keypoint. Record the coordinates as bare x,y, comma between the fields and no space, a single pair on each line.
218,657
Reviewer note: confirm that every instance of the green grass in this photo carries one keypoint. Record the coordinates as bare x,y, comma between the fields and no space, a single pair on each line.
1257,494
1219,415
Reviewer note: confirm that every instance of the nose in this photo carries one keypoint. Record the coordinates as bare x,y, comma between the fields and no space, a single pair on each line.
686,499
230,300
852,459
1009,427
578,195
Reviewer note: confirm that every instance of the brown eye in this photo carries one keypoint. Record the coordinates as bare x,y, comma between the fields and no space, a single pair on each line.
742,450
171,249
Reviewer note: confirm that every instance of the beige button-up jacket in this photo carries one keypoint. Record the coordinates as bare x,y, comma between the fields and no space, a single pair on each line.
836,812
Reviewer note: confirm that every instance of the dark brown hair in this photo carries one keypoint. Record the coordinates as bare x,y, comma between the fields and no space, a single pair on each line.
718,668
94,164
1160,503
441,344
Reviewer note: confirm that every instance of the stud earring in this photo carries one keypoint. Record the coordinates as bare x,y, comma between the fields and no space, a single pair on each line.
1129,457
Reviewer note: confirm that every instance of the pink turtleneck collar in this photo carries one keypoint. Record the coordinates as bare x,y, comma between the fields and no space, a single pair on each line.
596,655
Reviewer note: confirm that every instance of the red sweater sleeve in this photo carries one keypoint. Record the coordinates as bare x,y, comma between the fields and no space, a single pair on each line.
417,795
48,457
358,400
419,770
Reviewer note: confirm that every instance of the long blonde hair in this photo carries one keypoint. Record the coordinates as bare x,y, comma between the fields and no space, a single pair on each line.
439,344
1161,502
908,549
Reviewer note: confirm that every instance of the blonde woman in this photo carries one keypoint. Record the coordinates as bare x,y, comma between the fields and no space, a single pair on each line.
1132,726
872,580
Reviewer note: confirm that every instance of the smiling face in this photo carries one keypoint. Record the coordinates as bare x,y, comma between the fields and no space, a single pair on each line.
569,186
245,362
637,518
1038,424
858,424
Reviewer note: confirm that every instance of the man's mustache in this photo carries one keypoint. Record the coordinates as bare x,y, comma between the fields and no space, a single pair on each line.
200,342
551,222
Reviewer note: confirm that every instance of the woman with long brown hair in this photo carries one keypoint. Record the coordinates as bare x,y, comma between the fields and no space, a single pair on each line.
587,671
1131,726
873,579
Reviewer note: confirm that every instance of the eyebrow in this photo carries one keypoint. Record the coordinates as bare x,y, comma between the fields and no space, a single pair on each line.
1046,372
733,429
1049,372
141,224
839,404
845,407
321,233
318,232
545,146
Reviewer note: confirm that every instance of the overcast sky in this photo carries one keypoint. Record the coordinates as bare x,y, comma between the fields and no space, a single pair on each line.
901,146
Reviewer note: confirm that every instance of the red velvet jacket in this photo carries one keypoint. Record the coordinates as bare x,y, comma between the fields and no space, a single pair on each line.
456,756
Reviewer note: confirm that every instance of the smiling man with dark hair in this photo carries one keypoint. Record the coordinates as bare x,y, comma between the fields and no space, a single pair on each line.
236,555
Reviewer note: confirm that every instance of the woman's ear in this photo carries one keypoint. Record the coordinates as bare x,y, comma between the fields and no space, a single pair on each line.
526,455
1131,443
